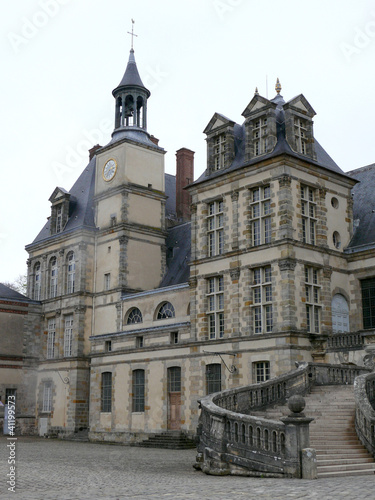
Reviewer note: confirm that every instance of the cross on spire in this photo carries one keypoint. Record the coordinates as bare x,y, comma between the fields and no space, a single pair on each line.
132,32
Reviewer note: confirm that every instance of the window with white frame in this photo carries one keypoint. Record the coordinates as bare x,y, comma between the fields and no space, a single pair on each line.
138,386
308,211
51,338
166,311
260,208
53,277
215,314
37,281
47,397
313,307
300,132
219,151
59,214
134,316
260,136
215,230
68,335
340,314
106,392
107,281
71,273
261,371
262,300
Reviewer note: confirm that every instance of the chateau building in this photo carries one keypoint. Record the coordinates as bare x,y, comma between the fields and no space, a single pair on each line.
156,290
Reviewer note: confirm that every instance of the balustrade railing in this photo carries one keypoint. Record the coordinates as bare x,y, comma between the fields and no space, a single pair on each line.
231,437
338,341
364,393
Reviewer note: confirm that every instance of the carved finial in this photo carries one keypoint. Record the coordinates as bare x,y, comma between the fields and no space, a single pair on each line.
278,86
256,91
132,32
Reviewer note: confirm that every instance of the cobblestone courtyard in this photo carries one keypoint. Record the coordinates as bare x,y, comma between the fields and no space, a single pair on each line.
49,469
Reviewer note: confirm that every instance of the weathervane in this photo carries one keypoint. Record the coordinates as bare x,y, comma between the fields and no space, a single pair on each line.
132,33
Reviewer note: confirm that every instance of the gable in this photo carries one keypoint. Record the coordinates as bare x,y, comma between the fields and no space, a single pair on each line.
257,103
300,103
218,121
57,194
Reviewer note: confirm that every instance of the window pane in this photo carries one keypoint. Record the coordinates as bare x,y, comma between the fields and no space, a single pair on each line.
213,378
138,391
106,396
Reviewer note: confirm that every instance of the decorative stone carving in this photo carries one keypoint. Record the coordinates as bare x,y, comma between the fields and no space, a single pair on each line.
61,252
285,181
327,272
235,273
322,192
80,309
123,240
234,195
287,264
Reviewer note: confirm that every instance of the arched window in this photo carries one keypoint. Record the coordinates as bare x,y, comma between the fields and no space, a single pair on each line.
37,281
340,314
166,310
53,277
134,316
71,273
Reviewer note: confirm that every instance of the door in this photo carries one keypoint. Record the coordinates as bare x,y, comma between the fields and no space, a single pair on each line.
174,398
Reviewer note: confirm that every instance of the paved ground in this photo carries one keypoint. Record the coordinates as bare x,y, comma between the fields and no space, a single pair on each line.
48,470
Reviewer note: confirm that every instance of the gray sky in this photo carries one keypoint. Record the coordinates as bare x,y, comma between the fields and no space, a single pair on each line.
62,58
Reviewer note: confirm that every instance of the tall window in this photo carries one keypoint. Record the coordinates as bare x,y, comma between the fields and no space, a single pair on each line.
134,316
138,404
313,307
262,300
215,297
37,281
215,222
107,281
71,273
47,397
308,209
166,311
219,152
53,277
51,338
340,314
300,132
59,213
261,215
368,302
68,335
213,378
262,371
260,136
174,379
106,392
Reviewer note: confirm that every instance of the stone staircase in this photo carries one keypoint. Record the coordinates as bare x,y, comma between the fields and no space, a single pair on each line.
338,449
174,440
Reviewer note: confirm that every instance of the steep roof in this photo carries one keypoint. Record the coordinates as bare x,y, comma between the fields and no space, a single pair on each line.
363,195
282,147
131,76
178,255
81,213
7,293
170,191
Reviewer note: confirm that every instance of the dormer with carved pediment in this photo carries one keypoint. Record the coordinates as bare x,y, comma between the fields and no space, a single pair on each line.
60,201
220,142
260,127
299,126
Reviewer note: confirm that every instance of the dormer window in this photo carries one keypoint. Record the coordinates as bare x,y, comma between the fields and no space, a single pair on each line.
219,151
260,136
300,132
59,212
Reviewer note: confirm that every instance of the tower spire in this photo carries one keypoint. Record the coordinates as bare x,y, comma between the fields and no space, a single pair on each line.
132,34
278,86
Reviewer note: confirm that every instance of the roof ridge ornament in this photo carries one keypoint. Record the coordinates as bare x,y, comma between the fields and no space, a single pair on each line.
256,91
278,86
132,34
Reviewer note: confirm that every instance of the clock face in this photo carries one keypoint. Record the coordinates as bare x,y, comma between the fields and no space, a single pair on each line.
109,170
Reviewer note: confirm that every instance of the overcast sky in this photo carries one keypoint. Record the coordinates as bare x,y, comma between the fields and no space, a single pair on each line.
61,60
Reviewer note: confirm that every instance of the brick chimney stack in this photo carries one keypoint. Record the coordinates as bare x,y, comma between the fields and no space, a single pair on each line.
93,150
184,176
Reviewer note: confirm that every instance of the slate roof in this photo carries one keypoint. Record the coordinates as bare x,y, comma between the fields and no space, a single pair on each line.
81,213
282,147
363,195
178,255
7,293
131,76
170,191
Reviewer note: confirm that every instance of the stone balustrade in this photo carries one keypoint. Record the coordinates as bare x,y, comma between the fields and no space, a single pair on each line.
364,393
232,441
339,341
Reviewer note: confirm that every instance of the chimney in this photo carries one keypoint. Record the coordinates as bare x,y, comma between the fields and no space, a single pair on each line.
184,176
154,140
93,150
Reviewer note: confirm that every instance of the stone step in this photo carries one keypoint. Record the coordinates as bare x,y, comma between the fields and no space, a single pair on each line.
345,473
346,467
346,461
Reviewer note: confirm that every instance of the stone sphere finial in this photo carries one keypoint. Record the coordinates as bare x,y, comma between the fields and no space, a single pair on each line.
296,404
